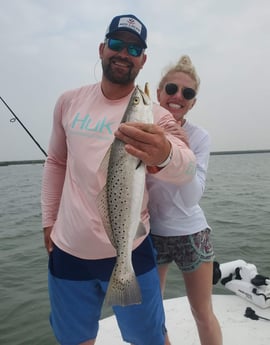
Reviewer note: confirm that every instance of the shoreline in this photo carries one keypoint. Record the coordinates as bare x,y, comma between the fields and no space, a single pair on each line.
214,153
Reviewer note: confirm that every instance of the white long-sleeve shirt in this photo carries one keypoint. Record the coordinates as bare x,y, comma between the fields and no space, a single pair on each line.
174,210
83,129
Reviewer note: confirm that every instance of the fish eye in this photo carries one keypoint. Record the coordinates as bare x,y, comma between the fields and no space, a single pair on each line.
136,100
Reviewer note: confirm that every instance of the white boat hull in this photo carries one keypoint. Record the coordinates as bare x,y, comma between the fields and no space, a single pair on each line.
229,309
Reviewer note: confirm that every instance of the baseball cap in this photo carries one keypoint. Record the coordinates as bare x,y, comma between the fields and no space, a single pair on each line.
128,22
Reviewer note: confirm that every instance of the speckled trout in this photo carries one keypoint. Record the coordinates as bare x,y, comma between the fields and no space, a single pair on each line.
120,205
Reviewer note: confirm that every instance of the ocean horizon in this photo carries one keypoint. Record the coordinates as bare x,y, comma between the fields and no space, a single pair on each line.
214,153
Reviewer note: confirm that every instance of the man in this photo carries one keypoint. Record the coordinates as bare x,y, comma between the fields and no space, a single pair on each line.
81,256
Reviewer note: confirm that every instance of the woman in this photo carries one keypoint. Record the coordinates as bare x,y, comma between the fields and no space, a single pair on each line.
179,228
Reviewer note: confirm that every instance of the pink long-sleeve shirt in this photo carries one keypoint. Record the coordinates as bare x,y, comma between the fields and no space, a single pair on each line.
83,129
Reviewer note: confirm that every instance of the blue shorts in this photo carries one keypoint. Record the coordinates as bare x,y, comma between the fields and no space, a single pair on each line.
77,289
188,251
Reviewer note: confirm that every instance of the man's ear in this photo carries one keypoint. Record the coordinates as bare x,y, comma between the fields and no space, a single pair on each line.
101,48
144,60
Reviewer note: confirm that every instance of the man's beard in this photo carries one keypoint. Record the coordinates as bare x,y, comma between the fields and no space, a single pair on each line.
116,78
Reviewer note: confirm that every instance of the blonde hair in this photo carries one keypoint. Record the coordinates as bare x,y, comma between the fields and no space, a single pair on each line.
184,65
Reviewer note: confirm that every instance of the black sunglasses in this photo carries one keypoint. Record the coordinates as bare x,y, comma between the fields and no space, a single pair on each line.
187,92
118,45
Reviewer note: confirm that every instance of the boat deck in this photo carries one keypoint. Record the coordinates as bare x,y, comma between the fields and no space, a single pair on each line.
229,309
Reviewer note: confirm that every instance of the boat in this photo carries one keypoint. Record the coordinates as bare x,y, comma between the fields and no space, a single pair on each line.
243,279
243,313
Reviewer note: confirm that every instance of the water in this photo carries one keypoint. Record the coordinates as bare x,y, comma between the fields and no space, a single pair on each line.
236,202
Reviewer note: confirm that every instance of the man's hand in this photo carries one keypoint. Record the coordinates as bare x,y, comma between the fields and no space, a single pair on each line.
145,141
47,239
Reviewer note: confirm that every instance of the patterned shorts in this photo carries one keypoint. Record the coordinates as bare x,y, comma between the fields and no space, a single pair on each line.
188,252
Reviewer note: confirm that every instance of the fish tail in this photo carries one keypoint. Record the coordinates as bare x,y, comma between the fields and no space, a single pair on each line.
123,290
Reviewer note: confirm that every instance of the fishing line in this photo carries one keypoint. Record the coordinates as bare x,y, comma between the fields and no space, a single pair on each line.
15,118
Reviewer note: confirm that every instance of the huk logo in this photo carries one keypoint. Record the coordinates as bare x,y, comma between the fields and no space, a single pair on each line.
86,126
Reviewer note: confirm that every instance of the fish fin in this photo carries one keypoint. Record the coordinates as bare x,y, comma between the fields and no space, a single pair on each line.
104,215
103,168
123,291
145,94
147,89
139,164
141,231
102,198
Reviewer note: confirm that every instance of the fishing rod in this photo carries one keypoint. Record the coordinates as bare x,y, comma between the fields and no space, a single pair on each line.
14,118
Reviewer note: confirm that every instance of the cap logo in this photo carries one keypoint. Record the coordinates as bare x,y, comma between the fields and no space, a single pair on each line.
130,23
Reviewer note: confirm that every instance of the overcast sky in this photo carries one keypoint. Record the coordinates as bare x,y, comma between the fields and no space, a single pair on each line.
49,46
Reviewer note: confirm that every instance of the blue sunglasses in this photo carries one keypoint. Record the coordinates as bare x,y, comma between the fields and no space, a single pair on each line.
118,45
